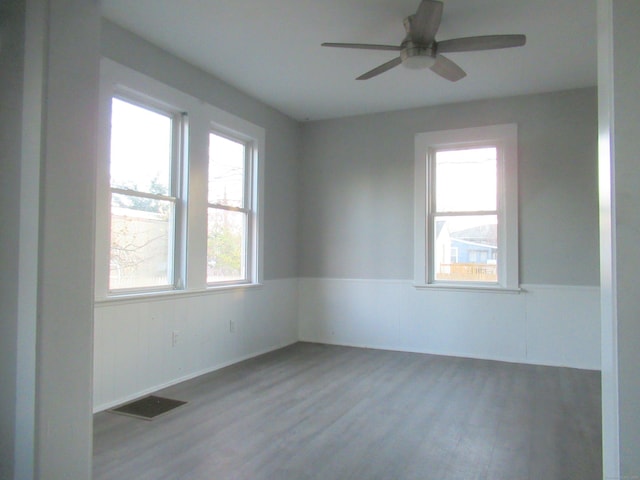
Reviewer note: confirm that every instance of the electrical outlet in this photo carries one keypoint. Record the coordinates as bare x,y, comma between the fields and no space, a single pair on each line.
232,326
175,337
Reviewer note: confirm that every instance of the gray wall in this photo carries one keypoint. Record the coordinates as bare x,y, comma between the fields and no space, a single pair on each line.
282,139
356,187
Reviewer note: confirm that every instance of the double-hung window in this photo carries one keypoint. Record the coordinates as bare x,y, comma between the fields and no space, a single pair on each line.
179,192
229,225
466,208
145,196
463,218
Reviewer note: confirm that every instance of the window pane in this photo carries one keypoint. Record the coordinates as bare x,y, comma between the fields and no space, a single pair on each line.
140,148
466,180
227,233
226,171
466,248
141,242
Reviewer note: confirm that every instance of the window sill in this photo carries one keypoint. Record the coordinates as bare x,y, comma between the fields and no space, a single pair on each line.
448,287
235,286
172,294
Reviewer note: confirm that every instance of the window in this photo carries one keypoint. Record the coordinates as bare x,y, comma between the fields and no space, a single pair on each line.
464,214
466,208
179,192
229,210
144,173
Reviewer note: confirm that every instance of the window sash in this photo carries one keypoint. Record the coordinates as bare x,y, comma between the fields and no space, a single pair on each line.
227,273
143,249
441,248
437,184
246,260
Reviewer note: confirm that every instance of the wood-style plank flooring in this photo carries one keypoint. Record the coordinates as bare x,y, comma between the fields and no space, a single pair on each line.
313,411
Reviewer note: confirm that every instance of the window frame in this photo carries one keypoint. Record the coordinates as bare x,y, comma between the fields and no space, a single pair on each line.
198,120
177,191
248,208
504,137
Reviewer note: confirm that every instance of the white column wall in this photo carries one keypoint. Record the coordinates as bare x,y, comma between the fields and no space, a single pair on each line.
619,112
66,239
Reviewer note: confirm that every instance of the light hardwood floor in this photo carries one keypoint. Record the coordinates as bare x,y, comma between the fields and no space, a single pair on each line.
313,411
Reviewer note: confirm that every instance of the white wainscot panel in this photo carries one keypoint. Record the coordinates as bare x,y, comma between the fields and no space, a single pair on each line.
468,324
142,346
563,325
545,325
352,312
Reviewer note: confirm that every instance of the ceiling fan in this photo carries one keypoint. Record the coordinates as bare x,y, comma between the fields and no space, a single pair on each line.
419,49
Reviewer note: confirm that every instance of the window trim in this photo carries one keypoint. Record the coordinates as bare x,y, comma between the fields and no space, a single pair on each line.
253,136
505,137
199,118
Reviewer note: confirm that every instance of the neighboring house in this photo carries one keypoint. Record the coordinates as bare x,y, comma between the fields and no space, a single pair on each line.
475,245
463,251
469,254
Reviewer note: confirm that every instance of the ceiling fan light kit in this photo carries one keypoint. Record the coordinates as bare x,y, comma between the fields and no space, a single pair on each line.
420,50
417,58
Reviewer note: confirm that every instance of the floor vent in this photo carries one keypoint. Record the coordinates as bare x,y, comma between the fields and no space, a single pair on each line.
148,408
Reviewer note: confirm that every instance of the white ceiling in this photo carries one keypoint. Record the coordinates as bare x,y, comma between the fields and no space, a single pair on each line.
271,49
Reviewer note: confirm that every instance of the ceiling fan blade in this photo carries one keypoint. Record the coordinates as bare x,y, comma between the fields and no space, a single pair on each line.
486,42
364,46
447,69
425,22
380,69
